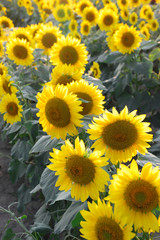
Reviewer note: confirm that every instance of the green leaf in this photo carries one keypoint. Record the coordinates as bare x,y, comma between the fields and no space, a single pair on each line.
148,157
16,170
146,45
108,57
20,150
9,234
144,68
95,81
76,221
155,54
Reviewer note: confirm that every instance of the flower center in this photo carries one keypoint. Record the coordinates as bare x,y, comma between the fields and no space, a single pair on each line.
68,55
86,28
61,13
64,79
1,71
119,135
6,88
90,16
20,52
127,39
47,10
48,40
124,2
57,112
87,106
133,19
83,6
12,108
5,24
108,20
80,169
108,229
21,36
141,196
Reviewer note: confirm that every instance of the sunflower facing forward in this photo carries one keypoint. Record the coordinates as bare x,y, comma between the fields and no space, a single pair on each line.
58,111
9,105
69,51
79,171
19,51
101,223
120,135
136,195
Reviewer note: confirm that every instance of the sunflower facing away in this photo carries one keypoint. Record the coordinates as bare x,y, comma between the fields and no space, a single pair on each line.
89,93
6,86
120,135
79,171
127,39
136,195
69,51
19,51
58,111
101,223
9,105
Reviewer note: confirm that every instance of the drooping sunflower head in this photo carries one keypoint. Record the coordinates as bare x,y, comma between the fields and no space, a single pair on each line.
81,5
90,14
9,106
47,36
101,223
6,86
127,39
95,70
91,97
20,51
6,22
120,135
69,51
139,195
85,28
133,18
107,19
146,35
79,170
65,74
59,13
58,111
124,14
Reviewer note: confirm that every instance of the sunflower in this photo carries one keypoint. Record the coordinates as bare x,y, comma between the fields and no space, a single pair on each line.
69,51
112,6
3,70
133,18
136,195
6,86
90,14
90,93
127,39
58,111
81,5
46,37
142,24
154,25
120,135
124,14
85,27
73,25
20,51
134,3
59,13
21,33
102,223
122,4
143,11
110,38
2,35
107,19
144,30
65,74
79,170
1,48
95,70
6,22
9,105
149,16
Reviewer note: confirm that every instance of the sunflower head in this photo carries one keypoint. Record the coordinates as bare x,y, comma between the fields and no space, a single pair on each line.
95,70
59,13
133,18
6,86
6,22
107,19
90,14
81,5
85,27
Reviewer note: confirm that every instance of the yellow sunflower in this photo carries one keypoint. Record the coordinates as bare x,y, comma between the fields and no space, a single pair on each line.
146,35
9,105
136,195
59,13
6,86
20,51
112,6
1,48
107,19
69,51
21,33
143,11
95,70
85,27
120,135
91,94
73,26
133,18
46,37
90,14
2,35
149,16
124,14
110,38
81,5
122,4
142,24
3,70
58,111
79,170
65,74
101,223
154,25
127,39
6,22
134,3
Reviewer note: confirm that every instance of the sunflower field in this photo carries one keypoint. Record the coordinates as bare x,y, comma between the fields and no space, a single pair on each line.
80,108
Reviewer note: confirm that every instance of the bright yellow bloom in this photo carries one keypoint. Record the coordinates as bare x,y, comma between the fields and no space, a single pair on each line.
6,86
120,135
59,13
3,70
144,10
1,48
101,223
95,70
6,22
136,195
73,25
79,170
85,27
154,25
107,19
21,33
90,14
124,14
144,30
81,5
133,18
9,105
123,4
58,111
